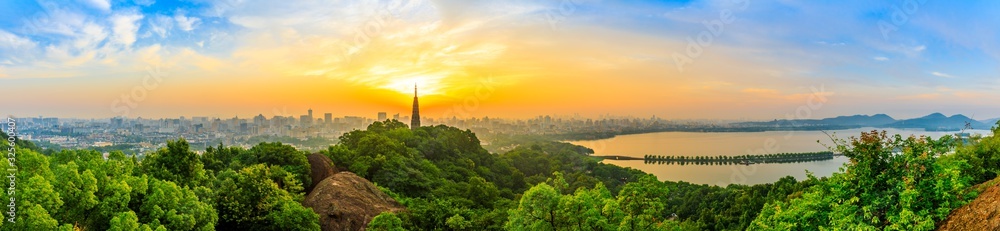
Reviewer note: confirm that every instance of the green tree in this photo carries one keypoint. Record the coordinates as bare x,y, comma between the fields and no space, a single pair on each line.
481,192
458,222
291,215
538,210
641,204
386,221
128,221
285,156
176,208
590,209
176,163
250,200
37,201
891,183
221,158
77,188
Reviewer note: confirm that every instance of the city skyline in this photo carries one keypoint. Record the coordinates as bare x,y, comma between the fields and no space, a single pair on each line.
513,59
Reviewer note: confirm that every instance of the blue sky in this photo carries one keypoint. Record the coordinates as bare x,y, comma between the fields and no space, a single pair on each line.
904,58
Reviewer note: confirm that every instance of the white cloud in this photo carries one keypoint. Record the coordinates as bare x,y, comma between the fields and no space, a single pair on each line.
880,58
12,41
104,5
161,25
920,48
90,35
55,21
186,23
125,26
943,75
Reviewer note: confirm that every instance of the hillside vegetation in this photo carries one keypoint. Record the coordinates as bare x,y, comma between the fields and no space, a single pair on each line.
447,181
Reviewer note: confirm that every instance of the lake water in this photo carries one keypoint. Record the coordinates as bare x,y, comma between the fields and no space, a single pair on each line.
732,144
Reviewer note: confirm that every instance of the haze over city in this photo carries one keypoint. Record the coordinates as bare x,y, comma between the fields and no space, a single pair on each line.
515,59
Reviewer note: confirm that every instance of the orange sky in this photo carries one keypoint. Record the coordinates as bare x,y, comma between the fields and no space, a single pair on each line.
473,58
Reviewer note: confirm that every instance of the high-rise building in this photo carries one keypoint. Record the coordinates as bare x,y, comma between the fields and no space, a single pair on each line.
415,119
328,118
305,121
382,116
259,119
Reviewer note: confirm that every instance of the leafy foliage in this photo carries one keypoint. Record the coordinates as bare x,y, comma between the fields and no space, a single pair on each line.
448,181
169,190
891,183
175,163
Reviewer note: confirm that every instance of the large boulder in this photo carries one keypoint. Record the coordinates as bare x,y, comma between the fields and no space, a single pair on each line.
346,201
982,213
322,167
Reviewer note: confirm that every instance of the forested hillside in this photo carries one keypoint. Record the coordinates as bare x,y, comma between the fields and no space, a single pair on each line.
447,181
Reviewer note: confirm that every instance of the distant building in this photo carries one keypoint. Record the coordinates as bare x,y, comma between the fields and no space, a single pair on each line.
259,119
304,120
117,122
395,116
382,116
328,118
415,119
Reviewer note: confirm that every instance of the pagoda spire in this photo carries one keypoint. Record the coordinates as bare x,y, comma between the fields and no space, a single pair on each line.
415,118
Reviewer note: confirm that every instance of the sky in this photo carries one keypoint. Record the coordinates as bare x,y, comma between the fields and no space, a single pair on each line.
727,59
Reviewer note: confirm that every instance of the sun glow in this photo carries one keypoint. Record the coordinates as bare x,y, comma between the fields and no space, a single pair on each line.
426,85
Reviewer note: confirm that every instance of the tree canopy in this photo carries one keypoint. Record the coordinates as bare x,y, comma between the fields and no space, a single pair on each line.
448,181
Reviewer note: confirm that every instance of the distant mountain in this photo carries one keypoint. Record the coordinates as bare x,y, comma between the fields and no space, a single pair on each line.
932,122
839,121
939,122
990,122
860,120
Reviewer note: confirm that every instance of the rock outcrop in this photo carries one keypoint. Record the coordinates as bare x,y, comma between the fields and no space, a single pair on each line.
983,213
346,201
322,167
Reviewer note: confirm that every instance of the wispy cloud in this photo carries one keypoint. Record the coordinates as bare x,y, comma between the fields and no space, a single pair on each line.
926,96
186,23
942,75
760,91
124,27
608,45
12,41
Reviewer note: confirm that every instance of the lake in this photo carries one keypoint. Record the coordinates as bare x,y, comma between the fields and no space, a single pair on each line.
733,144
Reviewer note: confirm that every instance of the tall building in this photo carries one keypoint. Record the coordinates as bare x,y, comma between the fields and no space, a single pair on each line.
259,119
328,118
415,119
382,116
305,121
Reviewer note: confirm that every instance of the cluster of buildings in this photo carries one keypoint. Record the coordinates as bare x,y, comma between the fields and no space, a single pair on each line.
141,135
